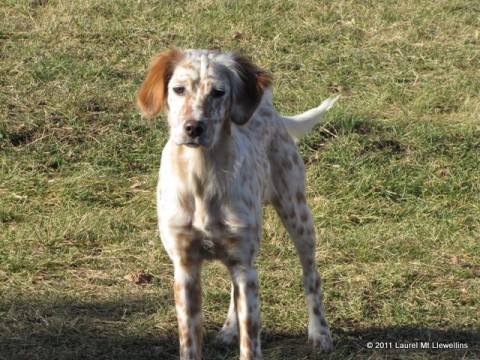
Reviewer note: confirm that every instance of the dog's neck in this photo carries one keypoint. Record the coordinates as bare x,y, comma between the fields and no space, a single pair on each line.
207,171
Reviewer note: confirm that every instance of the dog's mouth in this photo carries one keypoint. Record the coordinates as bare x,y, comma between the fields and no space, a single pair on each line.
194,143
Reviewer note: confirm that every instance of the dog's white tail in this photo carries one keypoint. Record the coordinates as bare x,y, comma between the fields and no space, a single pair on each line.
301,124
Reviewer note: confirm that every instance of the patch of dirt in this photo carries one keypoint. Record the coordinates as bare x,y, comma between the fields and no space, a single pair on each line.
139,278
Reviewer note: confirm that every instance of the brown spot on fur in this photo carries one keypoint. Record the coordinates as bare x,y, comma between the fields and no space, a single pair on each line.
286,164
194,292
293,214
189,66
276,202
304,216
198,335
301,231
283,183
253,329
179,301
316,311
230,242
285,137
323,323
187,109
301,197
182,329
245,343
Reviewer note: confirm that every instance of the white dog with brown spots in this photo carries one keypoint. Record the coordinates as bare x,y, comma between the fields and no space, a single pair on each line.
229,151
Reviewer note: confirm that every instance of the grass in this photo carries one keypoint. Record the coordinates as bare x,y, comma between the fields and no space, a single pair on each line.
394,177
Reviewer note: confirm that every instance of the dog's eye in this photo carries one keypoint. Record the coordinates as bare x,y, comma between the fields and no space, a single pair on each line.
216,93
179,90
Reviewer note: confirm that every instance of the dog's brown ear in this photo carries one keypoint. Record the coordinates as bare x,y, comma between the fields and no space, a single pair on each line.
153,93
248,88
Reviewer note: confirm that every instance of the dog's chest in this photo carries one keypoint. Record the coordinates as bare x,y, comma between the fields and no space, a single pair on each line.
221,204
219,213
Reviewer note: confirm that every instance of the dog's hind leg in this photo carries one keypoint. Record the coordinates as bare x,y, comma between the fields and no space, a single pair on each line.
228,335
289,201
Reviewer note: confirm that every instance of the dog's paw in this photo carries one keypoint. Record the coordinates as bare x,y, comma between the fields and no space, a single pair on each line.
323,339
228,336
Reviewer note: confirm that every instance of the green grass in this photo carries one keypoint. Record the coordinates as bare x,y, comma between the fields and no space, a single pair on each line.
394,177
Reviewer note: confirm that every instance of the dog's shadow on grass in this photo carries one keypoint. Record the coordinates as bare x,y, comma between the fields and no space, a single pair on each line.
105,330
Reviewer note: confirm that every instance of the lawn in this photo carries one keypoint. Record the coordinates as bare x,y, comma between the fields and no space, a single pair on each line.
393,176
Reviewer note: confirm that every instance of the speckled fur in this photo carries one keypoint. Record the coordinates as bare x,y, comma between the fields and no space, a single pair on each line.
212,187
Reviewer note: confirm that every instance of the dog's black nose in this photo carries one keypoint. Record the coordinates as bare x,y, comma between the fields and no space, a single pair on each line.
194,128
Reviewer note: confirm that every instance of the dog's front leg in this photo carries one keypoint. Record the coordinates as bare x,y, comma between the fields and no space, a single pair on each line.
245,289
188,303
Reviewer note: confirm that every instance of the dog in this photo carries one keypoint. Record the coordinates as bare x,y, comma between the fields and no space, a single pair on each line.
228,152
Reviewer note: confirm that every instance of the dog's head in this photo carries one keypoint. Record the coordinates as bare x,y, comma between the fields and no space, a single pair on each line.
203,92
